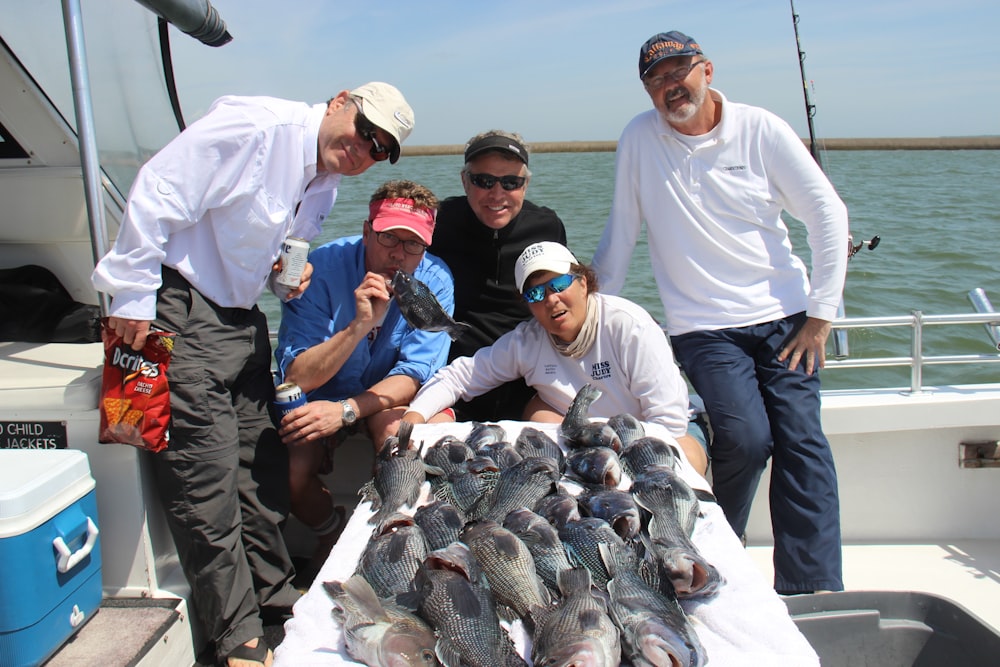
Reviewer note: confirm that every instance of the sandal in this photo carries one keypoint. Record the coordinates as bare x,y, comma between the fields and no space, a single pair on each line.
260,653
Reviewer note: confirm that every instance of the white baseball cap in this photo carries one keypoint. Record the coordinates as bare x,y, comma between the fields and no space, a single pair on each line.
542,256
385,106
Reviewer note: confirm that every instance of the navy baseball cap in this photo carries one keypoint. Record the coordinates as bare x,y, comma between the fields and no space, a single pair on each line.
665,45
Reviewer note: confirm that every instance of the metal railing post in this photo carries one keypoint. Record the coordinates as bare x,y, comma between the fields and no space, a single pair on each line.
89,158
917,354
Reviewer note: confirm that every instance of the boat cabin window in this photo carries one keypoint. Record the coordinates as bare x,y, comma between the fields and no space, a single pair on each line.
9,148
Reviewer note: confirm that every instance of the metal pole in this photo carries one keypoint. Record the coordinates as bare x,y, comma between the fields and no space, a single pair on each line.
840,348
89,157
982,304
917,354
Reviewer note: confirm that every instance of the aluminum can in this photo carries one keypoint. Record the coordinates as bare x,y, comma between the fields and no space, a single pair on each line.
294,252
287,397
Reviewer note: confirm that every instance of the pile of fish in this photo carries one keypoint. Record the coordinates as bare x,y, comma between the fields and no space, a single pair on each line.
585,553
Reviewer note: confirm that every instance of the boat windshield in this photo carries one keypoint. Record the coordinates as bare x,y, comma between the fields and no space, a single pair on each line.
132,113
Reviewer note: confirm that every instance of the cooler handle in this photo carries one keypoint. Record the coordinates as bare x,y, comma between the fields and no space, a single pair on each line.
67,560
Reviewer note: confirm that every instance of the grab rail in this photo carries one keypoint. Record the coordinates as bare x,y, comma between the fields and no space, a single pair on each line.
917,359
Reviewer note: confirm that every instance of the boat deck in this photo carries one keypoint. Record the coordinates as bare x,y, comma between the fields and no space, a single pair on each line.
964,571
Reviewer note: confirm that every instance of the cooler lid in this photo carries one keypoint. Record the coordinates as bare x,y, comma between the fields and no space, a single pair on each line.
30,478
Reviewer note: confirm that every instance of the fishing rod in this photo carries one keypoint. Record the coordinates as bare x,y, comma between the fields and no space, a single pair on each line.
814,149
810,107
839,336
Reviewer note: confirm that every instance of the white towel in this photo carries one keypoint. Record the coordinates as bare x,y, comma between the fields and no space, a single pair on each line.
746,623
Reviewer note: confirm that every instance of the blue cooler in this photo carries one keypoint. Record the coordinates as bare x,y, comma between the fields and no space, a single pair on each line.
50,555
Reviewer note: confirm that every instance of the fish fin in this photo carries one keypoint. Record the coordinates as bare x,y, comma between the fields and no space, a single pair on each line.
333,588
574,579
433,471
506,613
364,596
448,653
403,435
368,492
409,600
705,496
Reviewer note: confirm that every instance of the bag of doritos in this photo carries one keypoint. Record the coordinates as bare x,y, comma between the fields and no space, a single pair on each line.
135,397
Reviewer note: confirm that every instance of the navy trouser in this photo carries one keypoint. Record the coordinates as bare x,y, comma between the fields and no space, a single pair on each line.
758,408
224,477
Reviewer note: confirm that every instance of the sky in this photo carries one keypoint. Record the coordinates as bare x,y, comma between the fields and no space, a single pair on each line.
568,71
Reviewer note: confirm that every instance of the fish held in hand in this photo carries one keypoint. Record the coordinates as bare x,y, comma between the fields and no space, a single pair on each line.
378,632
421,309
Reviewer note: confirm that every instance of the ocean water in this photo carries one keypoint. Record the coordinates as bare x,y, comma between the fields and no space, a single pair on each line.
937,214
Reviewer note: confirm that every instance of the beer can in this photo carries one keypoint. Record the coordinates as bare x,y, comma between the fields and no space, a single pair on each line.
287,397
294,252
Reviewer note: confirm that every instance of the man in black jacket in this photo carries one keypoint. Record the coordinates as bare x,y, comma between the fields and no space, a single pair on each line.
480,236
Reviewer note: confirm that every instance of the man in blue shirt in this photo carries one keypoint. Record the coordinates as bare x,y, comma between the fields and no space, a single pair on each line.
346,344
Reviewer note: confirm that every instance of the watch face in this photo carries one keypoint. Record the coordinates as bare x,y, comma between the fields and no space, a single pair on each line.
349,416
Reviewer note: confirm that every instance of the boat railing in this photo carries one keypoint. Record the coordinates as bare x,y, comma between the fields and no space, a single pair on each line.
917,360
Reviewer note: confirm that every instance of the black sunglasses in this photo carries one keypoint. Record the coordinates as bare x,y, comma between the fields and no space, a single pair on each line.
487,181
366,130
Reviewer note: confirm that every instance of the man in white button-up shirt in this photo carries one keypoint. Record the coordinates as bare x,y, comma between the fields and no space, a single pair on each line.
198,244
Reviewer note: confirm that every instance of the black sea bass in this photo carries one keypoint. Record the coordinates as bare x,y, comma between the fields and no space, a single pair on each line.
421,309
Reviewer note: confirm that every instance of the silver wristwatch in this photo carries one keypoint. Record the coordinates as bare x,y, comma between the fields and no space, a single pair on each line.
349,416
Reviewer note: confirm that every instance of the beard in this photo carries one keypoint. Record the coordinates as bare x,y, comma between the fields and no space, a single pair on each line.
687,110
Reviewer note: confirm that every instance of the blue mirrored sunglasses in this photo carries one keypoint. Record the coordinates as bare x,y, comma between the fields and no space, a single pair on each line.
557,284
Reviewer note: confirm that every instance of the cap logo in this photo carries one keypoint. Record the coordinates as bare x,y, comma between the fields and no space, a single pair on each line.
671,46
531,252
401,119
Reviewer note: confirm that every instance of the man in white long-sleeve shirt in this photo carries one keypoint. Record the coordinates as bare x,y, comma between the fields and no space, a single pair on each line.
202,230
710,178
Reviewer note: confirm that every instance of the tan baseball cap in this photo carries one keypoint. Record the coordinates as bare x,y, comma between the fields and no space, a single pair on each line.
384,105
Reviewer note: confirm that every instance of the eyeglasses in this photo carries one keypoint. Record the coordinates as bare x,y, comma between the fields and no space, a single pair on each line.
390,240
366,130
673,76
557,285
487,181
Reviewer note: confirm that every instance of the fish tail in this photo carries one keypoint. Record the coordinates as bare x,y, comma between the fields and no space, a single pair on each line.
456,330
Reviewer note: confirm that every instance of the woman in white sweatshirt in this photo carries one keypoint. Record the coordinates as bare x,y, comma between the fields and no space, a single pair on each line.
577,336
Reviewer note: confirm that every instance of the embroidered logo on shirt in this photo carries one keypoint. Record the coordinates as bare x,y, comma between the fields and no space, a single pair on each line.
551,369
601,370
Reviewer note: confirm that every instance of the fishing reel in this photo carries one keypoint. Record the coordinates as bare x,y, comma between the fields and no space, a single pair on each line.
853,249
